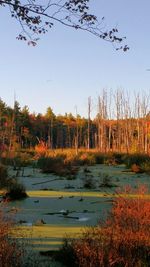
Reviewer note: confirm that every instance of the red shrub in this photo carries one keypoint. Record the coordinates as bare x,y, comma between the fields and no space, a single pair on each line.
10,253
124,240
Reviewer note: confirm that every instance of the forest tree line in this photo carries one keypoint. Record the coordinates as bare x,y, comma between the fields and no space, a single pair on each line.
120,125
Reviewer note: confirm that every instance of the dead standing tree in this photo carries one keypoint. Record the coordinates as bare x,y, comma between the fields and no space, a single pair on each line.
77,133
118,98
89,124
127,124
102,120
137,117
144,110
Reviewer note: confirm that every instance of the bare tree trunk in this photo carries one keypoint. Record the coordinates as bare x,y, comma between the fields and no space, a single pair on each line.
77,134
89,118
12,127
51,135
103,130
145,104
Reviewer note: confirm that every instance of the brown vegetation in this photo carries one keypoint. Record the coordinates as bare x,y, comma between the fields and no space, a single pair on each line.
10,251
122,241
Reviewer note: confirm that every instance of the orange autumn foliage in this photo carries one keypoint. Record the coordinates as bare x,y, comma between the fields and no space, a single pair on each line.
41,148
124,240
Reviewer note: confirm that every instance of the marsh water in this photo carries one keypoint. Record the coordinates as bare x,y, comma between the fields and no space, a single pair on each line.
58,207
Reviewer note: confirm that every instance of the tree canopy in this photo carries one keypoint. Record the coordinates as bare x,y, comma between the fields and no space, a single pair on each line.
124,129
36,17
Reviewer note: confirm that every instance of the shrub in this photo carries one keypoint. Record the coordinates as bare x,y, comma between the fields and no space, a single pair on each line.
57,165
10,251
106,180
67,254
138,163
114,159
145,167
72,159
3,176
136,168
119,158
15,191
86,158
41,149
25,159
100,158
88,182
137,159
123,241
50,164
19,159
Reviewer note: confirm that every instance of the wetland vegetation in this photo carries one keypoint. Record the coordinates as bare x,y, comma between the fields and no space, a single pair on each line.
77,208
74,179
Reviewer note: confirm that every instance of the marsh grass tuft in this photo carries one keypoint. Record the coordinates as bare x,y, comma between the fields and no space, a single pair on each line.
15,191
89,182
57,165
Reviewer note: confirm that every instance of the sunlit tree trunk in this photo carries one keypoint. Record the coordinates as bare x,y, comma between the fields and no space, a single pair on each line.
89,125
77,134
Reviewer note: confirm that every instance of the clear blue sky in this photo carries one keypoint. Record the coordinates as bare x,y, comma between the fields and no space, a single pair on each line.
67,66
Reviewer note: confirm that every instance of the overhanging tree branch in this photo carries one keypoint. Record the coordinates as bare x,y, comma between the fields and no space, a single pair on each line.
36,18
